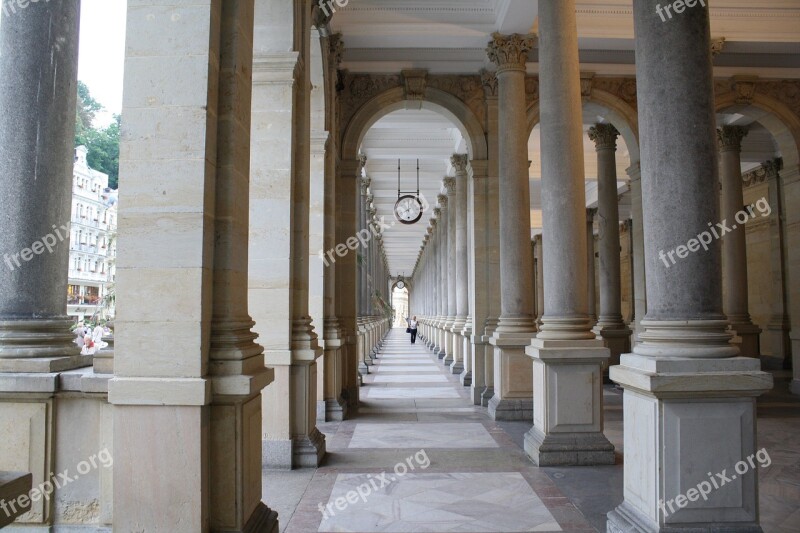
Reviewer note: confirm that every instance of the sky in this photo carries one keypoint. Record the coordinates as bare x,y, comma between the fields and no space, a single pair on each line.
102,53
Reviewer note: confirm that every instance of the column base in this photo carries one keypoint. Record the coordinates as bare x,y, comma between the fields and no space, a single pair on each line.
568,449
617,338
363,368
486,396
625,519
465,378
332,410
456,368
276,454
263,520
308,451
510,409
748,335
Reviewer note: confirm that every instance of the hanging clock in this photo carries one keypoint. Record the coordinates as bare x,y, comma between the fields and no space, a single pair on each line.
408,208
400,284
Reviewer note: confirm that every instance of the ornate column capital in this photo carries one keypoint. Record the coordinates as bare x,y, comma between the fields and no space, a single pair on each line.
449,185
730,138
510,52
336,50
460,162
365,182
717,44
362,162
489,82
441,199
604,136
437,212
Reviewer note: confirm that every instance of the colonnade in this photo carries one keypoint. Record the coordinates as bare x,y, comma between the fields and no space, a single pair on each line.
179,398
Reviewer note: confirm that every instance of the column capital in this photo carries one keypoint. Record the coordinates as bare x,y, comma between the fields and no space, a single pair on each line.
365,182
449,185
489,82
730,138
604,136
510,52
437,211
442,201
460,162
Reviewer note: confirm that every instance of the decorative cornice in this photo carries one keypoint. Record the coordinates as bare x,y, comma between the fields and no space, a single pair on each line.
510,52
604,136
767,170
730,138
415,82
460,162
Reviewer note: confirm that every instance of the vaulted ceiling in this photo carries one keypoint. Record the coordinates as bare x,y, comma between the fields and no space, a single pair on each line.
450,36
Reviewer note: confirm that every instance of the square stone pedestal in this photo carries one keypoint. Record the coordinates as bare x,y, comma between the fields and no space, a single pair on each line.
513,385
690,425
568,404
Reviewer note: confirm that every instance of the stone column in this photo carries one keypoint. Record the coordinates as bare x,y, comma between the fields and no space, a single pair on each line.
567,359
451,348
363,289
441,237
590,265
538,262
236,362
335,405
516,326
689,401
637,249
734,245
38,48
347,197
479,287
460,366
610,325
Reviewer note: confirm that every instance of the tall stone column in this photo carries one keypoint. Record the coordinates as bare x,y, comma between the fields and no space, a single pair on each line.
335,405
689,401
610,325
441,237
734,245
347,198
451,349
38,48
516,326
637,249
460,365
479,287
567,359
363,288
591,293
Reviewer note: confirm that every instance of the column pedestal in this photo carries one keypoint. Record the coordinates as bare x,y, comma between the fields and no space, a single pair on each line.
513,390
708,406
568,424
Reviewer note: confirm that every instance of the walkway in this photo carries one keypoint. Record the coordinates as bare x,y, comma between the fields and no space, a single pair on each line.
449,467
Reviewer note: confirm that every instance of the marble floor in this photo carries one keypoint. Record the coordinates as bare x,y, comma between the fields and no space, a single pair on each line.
419,457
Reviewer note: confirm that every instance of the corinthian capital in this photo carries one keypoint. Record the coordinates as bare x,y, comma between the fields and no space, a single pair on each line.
442,201
460,162
510,52
449,185
604,136
730,137
489,82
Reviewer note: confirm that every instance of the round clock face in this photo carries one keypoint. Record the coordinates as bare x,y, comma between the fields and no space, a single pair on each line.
400,284
408,209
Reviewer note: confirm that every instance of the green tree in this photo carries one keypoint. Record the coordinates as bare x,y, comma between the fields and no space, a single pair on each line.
102,143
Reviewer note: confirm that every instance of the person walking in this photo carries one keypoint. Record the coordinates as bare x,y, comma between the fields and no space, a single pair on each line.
412,325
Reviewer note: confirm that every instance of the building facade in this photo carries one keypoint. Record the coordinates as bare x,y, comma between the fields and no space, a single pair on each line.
92,249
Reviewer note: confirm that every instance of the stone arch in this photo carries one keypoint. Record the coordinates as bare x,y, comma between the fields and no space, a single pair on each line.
435,100
778,119
622,115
